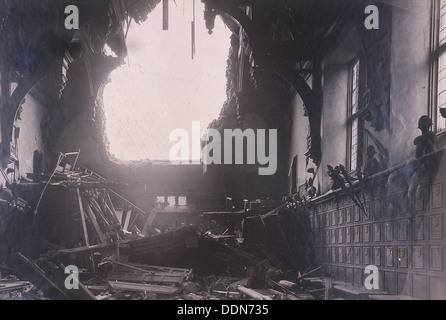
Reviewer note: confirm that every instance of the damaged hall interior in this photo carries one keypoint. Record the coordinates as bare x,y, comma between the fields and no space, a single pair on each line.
361,178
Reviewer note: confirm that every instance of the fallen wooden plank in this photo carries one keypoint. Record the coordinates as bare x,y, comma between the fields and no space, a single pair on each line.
98,247
96,289
193,296
36,269
29,296
103,198
308,273
111,207
102,214
147,268
254,294
103,297
129,203
227,294
110,210
287,284
94,221
276,295
125,217
390,297
18,285
139,287
275,285
316,290
157,277
83,293
271,213
145,273
117,224
5,176
303,296
84,225
221,236
241,282
135,267
149,222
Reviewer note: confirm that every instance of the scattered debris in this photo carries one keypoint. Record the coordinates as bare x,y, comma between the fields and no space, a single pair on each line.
13,289
235,255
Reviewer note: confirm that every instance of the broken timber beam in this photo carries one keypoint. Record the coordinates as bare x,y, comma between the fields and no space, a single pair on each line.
105,219
83,293
306,274
93,219
111,208
253,294
148,224
149,268
14,286
139,287
82,250
84,225
41,274
148,277
129,203
129,266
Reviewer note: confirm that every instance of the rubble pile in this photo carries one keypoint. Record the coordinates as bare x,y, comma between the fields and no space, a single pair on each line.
262,252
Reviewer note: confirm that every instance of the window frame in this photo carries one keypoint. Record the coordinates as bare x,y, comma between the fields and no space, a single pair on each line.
176,200
436,52
353,116
294,175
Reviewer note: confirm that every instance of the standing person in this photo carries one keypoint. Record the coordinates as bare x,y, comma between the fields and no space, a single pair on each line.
371,165
425,143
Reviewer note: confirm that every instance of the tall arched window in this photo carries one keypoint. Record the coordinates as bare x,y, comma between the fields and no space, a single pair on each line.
439,64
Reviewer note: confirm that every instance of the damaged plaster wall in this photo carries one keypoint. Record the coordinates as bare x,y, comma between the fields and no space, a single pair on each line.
2,179
30,137
80,132
83,129
334,120
334,116
145,179
298,145
410,72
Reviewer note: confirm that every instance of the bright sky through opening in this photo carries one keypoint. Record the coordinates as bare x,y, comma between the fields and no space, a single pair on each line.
163,89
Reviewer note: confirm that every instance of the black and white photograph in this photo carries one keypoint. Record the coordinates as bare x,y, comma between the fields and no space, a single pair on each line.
235,151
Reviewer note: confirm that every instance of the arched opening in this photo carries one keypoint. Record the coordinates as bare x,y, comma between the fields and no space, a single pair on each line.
161,88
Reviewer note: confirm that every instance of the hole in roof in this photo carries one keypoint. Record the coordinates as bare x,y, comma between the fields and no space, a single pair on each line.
161,88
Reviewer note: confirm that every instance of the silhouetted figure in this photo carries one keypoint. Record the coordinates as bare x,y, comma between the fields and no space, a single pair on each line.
333,175
371,166
425,143
311,189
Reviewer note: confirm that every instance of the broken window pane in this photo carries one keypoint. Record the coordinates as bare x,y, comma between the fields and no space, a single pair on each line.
353,113
171,201
182,201
160,199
